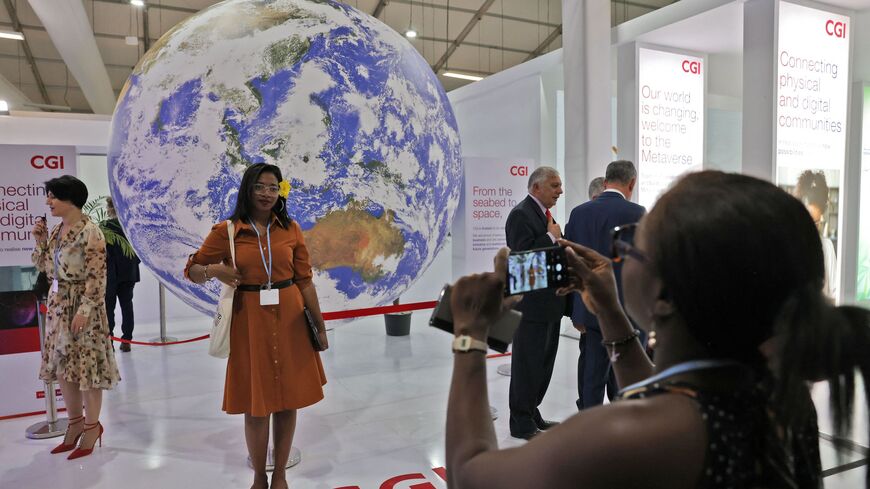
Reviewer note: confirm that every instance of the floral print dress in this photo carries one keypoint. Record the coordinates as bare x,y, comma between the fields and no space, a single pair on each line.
77,262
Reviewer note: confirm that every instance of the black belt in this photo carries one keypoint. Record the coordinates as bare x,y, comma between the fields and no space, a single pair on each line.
257,288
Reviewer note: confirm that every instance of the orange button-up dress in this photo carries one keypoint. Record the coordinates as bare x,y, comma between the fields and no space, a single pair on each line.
272,364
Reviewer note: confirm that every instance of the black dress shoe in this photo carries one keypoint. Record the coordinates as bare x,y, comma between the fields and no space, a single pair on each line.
528,435
125,346
545,425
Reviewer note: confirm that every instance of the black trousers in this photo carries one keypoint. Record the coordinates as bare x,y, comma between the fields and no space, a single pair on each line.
594,372
532,359
123,292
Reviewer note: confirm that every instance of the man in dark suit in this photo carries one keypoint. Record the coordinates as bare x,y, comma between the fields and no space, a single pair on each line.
122,273
591,225
531,225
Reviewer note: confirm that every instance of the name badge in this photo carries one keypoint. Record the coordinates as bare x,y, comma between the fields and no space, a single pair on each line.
269,297
54,286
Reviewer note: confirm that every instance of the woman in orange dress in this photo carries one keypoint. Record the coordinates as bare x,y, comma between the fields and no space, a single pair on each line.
273,369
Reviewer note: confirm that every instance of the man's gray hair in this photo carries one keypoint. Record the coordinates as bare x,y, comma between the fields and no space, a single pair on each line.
596,186
542,174
620,171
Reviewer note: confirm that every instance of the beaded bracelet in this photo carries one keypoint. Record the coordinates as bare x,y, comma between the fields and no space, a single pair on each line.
634,334
614,356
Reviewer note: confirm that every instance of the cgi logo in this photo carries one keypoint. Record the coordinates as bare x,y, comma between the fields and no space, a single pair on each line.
836,29
519,171
693,67
47,162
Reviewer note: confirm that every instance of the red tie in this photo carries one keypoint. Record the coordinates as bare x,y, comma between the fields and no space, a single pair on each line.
549,216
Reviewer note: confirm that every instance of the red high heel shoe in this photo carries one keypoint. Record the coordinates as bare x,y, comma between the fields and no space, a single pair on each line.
63,447
83,452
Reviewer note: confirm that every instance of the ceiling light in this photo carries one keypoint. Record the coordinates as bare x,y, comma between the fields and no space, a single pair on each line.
4,107
131,40
55,108
410,33
17,36
462,76
137,3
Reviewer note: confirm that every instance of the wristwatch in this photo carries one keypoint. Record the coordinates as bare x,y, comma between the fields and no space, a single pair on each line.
465,344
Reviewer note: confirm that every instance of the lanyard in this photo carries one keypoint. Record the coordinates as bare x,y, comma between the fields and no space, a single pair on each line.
260,247
57,254
681,368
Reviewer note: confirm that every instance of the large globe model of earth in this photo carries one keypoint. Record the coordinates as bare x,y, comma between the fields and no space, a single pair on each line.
345,106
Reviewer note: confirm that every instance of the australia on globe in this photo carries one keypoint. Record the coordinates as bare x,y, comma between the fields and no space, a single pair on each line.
345,106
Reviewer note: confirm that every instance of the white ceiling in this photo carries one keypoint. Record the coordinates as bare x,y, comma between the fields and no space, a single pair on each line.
849,4
510,32
715,31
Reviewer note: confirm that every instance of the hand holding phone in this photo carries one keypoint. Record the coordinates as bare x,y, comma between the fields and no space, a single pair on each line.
591,274
478,305
40,230
539,269
500,333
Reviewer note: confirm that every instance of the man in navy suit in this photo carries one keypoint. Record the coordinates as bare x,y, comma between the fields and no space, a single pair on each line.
591,225
530,225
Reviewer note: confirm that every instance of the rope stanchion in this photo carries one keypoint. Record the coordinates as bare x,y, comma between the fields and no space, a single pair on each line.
52,426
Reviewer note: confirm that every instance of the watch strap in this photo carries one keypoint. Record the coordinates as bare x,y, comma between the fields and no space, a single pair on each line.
465,344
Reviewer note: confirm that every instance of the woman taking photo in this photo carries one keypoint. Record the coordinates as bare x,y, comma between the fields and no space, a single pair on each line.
78,352
726,275
273,369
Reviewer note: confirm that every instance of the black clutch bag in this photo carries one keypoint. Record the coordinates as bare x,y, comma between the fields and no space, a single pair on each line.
312,330
42,286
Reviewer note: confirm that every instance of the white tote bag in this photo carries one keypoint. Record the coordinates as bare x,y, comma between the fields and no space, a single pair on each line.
219,343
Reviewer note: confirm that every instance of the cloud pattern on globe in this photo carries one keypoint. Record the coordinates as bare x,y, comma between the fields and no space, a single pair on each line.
345,106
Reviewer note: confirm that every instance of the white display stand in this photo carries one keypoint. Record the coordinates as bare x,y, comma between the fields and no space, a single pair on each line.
661,104
26,167
796,106
493,186
506,120
856,254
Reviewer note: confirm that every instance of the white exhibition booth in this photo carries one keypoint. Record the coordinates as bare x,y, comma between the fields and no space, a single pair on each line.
694,85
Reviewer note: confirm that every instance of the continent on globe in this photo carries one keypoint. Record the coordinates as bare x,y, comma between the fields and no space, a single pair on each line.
354,238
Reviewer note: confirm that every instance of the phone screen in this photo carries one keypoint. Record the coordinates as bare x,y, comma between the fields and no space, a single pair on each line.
535,270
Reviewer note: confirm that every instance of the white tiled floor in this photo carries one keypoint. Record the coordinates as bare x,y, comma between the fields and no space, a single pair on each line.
383,416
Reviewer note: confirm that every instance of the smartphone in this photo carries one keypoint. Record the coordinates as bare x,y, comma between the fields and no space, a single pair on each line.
500,334
543,268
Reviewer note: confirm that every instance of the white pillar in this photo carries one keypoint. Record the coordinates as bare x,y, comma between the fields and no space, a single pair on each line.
588,134
759,89
67,24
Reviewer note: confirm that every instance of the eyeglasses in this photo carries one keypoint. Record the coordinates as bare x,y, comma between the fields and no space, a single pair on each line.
622,244
266,189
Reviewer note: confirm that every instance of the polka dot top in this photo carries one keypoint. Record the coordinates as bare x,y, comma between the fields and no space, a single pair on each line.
747,447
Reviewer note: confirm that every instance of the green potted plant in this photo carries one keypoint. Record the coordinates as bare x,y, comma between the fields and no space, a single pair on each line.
96,211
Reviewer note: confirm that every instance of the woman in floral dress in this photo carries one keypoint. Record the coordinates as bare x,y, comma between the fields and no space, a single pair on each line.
78,352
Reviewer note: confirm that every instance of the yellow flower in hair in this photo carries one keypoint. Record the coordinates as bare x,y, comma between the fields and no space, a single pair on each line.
284,188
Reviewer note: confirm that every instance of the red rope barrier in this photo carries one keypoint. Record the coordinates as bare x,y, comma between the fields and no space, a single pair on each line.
498,355
145,343
374,311
327,316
